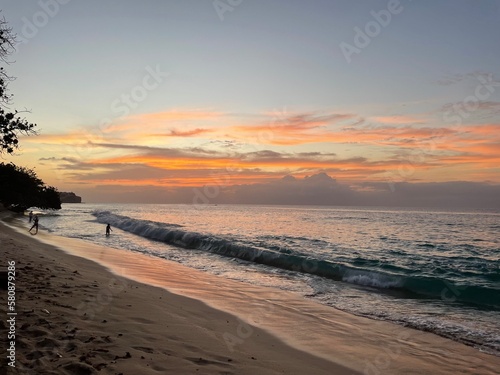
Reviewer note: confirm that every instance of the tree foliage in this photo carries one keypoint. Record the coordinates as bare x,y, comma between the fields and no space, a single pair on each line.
11,124
20,188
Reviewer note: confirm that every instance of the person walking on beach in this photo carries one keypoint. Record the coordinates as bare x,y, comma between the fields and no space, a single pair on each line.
30,216
108,230
35,224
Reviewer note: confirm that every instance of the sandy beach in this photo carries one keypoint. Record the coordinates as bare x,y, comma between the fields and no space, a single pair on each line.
77,316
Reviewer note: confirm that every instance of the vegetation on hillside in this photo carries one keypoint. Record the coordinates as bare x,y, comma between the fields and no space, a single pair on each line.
20,188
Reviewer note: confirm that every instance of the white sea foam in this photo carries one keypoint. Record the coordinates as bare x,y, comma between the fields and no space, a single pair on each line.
371,279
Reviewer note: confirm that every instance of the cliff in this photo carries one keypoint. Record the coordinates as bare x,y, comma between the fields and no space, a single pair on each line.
69,197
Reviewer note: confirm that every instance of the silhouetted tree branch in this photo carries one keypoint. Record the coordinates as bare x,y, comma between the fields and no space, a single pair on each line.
11,124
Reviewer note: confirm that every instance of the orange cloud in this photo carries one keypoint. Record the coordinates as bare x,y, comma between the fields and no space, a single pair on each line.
431,152
153,121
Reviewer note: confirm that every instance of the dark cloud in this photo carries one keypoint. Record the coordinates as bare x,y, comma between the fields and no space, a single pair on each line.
125,146
68,164
69,160
315,154
455,194
186,133
190,152
159,151
317,189
264,154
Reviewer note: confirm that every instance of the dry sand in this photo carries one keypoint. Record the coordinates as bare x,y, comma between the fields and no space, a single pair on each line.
76,317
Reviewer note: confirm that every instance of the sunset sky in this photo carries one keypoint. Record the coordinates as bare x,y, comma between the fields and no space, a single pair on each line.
217,101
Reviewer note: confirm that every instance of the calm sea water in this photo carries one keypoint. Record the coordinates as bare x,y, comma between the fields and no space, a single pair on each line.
433,271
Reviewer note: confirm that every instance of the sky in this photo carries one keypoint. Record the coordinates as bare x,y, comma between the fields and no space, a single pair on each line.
250,101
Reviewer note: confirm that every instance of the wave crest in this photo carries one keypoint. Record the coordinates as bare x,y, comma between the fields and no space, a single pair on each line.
432,287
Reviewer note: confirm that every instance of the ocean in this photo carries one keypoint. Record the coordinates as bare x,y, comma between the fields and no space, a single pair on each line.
432,270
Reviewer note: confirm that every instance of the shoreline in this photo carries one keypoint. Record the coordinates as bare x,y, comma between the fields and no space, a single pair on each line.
334,341
76,317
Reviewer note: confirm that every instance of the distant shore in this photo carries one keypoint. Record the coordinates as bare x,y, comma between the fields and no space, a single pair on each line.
76,317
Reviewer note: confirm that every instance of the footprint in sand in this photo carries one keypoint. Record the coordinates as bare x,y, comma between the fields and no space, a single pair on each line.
144,349
77,368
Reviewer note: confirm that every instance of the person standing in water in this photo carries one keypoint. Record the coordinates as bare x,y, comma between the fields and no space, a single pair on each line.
35,224
108,230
